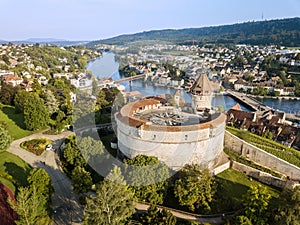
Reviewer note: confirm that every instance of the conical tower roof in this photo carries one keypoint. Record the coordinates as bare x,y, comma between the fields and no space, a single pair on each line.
177,93
237,107
202,84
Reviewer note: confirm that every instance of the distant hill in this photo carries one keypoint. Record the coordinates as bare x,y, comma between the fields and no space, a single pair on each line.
44,41
284,32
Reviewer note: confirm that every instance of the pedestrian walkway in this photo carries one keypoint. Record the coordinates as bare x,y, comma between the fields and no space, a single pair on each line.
213,219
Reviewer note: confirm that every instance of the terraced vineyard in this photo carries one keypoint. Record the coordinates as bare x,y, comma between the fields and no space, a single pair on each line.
290,155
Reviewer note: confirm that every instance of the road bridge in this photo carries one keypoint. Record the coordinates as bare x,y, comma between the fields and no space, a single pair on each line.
131,78
252,103
257,106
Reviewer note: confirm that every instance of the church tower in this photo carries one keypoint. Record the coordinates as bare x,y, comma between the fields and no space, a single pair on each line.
202,91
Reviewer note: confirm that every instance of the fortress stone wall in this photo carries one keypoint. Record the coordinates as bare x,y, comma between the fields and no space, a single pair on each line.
261,157
200,143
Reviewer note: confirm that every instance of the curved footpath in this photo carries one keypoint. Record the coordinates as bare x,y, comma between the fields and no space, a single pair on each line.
217,219
65,202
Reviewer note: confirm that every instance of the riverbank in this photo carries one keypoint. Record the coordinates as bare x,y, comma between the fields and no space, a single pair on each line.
277,97
108,67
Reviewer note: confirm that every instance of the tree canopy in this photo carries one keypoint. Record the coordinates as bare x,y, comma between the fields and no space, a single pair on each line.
20,100
194,188
288,209
154,216
72,156
30,206
36,115
256,202
7,93
113,203
40,179
92,150
81,180
281,32
148,177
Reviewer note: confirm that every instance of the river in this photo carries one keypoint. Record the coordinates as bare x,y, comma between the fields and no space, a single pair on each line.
286,105
108,67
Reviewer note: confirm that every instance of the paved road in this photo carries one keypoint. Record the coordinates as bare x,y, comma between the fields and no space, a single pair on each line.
64,201
215,220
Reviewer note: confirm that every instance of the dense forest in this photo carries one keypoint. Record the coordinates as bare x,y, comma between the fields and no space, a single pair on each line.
284,32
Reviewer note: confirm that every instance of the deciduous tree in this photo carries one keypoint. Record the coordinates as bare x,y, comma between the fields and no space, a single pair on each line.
256,203
59,121
40,179
36,115
194,188
148,177
113,202
242,220
81,179
20,100
30,206
154,216
51,102
72,155
92,150
95,88
288,210
7,94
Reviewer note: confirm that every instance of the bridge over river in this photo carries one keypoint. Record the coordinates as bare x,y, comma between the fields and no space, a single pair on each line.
131,78
257,106
101,83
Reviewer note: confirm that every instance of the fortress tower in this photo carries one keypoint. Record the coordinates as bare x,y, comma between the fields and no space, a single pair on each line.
149,127
175,136
202,91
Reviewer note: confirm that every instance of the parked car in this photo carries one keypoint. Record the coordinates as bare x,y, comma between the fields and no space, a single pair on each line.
49,147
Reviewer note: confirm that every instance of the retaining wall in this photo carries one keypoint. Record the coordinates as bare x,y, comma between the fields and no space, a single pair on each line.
261,157
263,177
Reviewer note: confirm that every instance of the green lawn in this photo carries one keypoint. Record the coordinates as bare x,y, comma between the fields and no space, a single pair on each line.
236,184
15,167
15,122
9,184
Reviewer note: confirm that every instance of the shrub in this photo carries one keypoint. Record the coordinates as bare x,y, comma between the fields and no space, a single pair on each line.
36,146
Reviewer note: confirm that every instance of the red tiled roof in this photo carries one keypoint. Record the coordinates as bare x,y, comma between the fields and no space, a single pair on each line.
11,77
240,115
237,107
128,109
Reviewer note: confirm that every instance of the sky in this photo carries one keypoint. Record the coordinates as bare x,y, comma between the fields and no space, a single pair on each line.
100,19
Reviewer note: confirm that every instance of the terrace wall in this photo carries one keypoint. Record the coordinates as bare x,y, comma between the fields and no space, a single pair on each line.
261,157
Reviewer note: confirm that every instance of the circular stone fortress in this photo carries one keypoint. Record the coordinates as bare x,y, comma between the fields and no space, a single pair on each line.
176,135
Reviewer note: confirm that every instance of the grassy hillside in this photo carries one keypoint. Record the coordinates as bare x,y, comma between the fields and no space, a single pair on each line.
13,170
282,32
15,122
237,184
